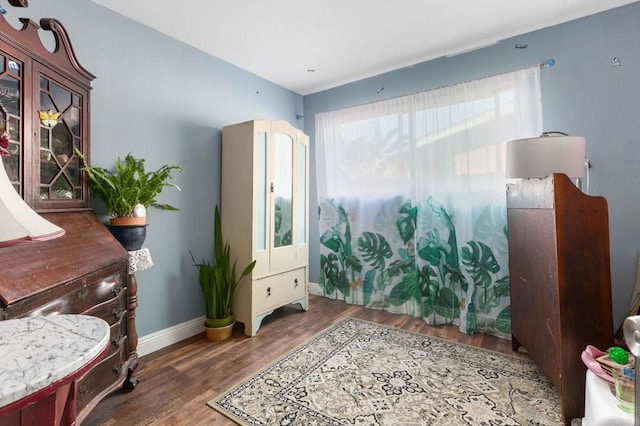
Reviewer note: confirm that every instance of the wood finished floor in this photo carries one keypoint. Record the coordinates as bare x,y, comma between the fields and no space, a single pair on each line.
177,381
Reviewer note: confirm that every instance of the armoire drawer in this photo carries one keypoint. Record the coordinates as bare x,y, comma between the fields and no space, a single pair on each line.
279,289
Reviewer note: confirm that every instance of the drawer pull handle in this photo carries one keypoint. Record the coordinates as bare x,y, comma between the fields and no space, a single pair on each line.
83,388
268,291
117,312
296,282
117,367
116,290
83,293
116,340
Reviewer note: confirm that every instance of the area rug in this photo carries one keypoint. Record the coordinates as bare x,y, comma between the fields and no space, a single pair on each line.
361,373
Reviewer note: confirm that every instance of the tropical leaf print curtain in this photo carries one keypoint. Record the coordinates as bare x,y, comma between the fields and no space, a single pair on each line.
412,200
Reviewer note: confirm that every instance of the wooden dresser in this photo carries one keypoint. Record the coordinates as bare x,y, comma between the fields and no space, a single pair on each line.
83,272
560,280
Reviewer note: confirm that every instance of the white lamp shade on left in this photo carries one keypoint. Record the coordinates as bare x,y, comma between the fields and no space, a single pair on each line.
18,222
541,156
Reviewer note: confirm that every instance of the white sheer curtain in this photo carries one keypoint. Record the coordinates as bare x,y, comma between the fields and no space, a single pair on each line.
412,200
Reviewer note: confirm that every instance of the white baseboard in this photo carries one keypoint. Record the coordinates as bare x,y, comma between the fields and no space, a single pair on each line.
163,338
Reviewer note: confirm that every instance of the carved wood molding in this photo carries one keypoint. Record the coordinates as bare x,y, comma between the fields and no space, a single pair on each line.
62,39
62,58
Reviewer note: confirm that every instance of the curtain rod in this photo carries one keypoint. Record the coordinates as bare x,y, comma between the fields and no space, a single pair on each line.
546,64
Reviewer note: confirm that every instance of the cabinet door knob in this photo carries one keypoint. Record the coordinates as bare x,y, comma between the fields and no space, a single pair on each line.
295,282
268,291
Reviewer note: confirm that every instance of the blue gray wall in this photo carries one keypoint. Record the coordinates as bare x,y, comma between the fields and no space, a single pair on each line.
165,102
583,94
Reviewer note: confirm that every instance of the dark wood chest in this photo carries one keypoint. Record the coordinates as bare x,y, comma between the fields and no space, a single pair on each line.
83,272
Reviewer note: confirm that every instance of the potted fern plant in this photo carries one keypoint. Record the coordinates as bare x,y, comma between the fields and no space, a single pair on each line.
218,282
127,193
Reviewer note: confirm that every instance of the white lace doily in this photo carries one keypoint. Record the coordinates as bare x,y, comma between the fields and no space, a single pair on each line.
139,260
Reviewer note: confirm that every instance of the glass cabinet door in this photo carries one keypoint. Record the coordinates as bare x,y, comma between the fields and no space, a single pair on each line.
59,116
282,190
261,192
60,123
287,193
11,116
301,196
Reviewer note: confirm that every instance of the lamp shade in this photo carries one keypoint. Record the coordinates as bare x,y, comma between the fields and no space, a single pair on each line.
541,156
18,222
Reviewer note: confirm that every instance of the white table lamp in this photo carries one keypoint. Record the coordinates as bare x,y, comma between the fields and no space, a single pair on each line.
541,156
18,222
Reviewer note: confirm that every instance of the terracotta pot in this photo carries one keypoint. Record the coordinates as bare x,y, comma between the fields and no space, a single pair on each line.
216,334
127,221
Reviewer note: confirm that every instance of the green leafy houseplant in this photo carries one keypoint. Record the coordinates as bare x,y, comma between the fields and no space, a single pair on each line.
130,185
218,281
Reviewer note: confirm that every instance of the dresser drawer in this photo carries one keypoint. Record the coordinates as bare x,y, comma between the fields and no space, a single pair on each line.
112,311
103,378
75,297
279,289
118,337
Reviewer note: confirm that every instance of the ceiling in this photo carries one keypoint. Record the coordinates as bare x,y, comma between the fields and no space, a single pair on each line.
312,45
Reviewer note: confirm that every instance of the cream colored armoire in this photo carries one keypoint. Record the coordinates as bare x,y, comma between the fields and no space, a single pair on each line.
264,213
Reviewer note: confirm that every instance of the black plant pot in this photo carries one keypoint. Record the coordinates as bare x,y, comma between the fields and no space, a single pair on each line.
130,236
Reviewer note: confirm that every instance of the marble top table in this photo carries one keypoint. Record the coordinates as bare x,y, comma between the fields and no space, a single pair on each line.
37,352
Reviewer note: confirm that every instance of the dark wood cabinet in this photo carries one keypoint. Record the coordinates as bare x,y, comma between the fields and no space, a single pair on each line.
559,270
44,108
83,272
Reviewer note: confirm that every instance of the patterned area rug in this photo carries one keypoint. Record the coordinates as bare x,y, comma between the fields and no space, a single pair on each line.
361,373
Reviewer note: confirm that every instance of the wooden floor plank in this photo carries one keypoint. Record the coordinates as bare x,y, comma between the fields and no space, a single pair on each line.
177,381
